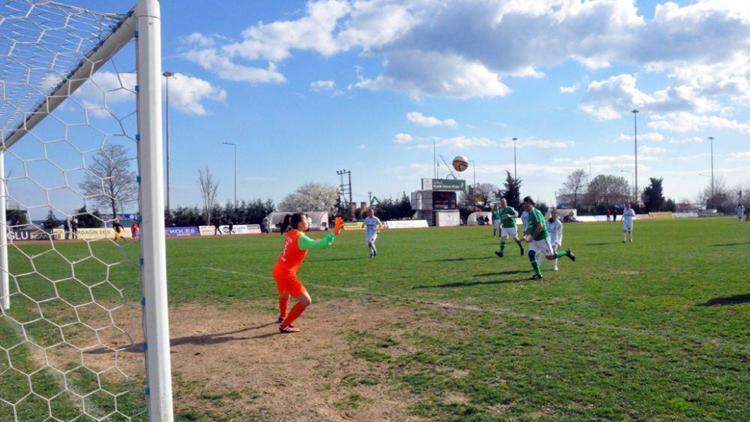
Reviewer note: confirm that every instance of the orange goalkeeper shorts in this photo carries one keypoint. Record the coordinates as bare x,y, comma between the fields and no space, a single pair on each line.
288,283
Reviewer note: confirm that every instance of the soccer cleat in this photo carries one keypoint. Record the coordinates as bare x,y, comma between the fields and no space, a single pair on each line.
554,269
499,254
288,330
571,255
536,277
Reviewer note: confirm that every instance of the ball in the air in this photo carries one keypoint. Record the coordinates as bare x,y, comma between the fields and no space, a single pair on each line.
460,163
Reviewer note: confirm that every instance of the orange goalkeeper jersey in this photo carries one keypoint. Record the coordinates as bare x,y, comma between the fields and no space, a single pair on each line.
291,256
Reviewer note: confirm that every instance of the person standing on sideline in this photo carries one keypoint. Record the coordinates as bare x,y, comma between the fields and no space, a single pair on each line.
231,227
740,211
628,214
74,228
217,226
117,226
135,230
555,227
609,214
66,228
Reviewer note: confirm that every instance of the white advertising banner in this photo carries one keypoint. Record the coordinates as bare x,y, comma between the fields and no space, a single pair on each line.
406,224
224,229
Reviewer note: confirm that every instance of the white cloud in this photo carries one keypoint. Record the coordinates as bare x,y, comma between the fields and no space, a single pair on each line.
322,85
186,93
568,89
683,122
420,119
473,142
215,61
402,138
739,156
198,39
646,136
651,150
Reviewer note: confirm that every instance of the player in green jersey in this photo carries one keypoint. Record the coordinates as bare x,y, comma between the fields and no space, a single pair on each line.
507,217
540,247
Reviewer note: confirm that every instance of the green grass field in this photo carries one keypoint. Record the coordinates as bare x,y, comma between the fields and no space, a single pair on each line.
657,329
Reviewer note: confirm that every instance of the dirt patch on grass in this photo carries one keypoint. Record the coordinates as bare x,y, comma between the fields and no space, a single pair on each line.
231,363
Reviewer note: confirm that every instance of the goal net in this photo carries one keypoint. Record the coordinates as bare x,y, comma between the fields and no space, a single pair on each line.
83,318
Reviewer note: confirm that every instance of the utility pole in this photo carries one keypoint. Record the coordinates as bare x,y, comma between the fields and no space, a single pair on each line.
711,138
635,138
434,159
345,188
515,165
235,170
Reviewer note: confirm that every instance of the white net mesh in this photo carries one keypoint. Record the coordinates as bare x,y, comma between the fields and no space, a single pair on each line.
70,342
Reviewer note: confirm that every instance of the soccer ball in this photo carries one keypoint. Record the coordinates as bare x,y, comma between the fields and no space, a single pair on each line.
460,163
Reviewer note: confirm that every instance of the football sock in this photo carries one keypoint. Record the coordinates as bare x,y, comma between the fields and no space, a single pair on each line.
283,303
560,255
502,246
296,311
535,265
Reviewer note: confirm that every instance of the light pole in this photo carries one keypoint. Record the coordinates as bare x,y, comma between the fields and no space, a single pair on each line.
631,175
434,159
515,166
635,149
167,75
712,164
235,170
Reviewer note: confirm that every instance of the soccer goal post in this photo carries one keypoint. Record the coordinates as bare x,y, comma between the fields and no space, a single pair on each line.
84,329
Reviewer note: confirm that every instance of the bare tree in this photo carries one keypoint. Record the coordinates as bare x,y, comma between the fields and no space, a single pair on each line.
110,179
575,186
209,188
608,190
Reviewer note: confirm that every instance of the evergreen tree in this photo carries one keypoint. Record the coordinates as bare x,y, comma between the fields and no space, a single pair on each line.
512,192
653,195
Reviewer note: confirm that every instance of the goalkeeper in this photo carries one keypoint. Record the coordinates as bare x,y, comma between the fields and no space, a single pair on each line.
296,246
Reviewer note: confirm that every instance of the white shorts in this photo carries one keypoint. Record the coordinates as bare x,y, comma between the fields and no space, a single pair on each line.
543,247
497,225
627,226
555,240
371,239
508,232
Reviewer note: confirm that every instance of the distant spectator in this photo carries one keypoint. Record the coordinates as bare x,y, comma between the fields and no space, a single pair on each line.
74,228
117,226
136,230
740,211
217,227
231,227
609,214
66,228
614,215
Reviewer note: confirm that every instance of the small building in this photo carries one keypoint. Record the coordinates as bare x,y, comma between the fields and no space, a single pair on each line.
437,201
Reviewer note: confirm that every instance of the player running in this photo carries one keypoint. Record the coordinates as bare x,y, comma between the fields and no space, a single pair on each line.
117,226
508,222
296,245
372,225
496,221
628,213
555,228
540,247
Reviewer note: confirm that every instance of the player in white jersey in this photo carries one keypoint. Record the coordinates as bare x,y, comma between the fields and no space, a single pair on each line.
372,225
628,214
740,211
555,228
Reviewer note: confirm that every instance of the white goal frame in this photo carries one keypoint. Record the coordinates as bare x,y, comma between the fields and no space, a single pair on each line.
144,24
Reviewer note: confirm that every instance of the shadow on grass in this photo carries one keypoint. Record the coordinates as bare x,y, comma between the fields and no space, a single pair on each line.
203,339
469,283
510,272
731,244
477,258
727,300
601,243
353,258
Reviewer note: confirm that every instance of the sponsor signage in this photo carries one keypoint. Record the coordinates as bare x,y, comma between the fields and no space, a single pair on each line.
236,229
181,231
444,184
95,234
406,224
26,234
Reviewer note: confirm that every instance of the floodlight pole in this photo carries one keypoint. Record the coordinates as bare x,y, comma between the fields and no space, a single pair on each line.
235,170
515,165
635,149
153,249
434,160
4,283
167,75
711,138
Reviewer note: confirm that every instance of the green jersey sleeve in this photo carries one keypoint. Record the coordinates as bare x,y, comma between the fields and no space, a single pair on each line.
306,243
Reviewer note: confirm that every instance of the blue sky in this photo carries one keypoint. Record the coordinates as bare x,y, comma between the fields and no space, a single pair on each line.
306,88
